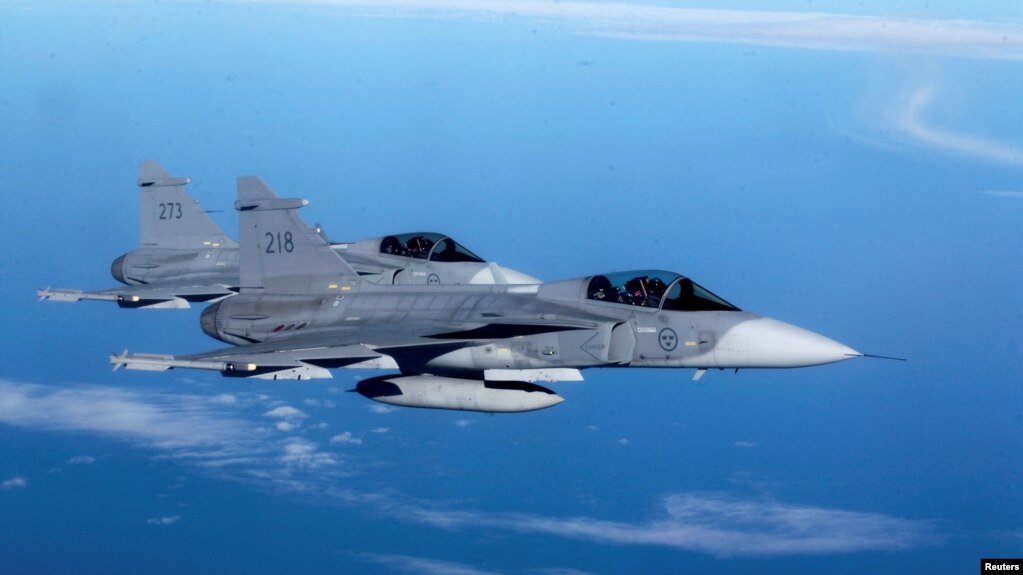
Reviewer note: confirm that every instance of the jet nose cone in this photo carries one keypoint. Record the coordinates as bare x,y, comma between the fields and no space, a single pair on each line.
495,274
768,342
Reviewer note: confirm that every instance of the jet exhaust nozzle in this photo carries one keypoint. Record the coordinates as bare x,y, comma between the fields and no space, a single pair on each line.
208,322
436,392
117,269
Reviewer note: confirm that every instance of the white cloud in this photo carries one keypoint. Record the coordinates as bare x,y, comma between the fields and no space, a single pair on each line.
311,402
808,30
623,441
380,430
346,438
289,416
166,520
804,30
190,429
909,116
302,453
377,408
224,399
710,523
14,483
82,460
421,565
746,444
463,423
285,412
182,423
194,430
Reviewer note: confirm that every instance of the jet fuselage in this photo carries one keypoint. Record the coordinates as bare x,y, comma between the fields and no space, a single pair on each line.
528,327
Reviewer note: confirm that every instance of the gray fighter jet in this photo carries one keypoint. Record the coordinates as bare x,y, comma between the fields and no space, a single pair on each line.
184,257
303,310
424,258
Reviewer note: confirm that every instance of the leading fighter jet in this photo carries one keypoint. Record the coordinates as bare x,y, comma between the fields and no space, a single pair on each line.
184,257
302,310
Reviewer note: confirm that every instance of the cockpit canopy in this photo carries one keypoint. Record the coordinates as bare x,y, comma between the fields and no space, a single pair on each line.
427,246
655,289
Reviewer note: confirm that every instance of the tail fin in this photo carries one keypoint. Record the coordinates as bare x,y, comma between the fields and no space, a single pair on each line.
279,253
169,218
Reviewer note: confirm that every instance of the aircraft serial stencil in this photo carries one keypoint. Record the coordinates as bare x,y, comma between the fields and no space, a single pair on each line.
184,257
303,310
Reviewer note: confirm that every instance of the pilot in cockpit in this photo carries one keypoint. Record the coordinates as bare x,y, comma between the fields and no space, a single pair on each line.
636,289
392,245
419,247
602,290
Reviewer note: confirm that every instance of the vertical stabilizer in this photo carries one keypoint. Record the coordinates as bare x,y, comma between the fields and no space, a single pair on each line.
279,253
169,217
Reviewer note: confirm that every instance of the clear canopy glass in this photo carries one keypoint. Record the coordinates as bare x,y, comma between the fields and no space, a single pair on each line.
427,245
655,289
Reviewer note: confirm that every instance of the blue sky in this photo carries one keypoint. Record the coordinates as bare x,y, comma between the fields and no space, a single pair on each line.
854,170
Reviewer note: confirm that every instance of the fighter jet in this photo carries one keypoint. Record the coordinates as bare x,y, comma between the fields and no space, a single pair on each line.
424,258
303,310
185,258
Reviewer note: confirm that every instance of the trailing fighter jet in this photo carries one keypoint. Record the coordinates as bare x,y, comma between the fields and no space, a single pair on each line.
303,310
184,257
